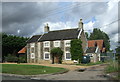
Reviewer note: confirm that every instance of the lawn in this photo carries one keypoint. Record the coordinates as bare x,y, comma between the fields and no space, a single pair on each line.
29,69
90,64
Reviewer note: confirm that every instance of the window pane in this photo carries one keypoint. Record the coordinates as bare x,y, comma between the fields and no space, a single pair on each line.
68,56
46,56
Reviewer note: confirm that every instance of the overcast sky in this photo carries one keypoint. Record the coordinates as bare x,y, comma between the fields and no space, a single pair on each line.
29,18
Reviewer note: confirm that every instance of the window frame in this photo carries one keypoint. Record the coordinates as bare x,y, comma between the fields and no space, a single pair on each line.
44,43
47,53
32,55
58,44
66,56
66,41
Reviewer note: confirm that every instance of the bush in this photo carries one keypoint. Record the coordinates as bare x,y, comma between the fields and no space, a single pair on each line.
22,59
11,58
112,67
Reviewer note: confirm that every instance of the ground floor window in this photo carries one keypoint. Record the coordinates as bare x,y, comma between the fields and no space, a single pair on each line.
32,55
46,55
68,56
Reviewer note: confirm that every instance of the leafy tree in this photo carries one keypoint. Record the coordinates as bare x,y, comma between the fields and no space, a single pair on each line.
76,50
98,34
56,52
86,35
11,44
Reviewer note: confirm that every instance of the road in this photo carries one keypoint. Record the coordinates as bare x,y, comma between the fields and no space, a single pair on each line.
94,73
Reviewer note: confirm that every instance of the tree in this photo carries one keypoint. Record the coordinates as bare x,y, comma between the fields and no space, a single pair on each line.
98,34
11,44
86,35
76,50
56,52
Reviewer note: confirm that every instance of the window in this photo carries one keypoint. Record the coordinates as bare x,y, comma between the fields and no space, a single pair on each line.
46,55
68,56
32,44
56,43
47,44
32,50
67,43
32,55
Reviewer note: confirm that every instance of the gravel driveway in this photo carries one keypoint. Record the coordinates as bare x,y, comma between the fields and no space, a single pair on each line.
90,74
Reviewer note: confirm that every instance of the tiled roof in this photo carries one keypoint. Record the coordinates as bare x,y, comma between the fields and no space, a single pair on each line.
23,50
91,50
91,43
60,35
34,38
56,35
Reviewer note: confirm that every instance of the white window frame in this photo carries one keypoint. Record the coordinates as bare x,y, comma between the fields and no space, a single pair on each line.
32,44
46,42
65,56
32,55
47,53
57,45
66,41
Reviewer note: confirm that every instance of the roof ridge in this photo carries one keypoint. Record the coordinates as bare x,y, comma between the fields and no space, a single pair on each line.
63,30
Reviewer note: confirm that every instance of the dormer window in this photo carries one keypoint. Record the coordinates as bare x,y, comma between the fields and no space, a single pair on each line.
46,44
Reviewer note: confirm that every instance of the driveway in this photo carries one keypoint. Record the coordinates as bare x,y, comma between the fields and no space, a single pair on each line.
94,73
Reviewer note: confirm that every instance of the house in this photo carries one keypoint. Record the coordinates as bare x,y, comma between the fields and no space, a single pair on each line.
95,48
39,46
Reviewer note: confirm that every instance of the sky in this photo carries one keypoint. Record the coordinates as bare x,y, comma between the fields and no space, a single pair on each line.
29,18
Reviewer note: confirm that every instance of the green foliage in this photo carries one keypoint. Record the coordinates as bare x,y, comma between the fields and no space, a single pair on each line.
90,64
57,52
29,69
112,67
76,50
98,34
86,34
11,58
11,44
22,59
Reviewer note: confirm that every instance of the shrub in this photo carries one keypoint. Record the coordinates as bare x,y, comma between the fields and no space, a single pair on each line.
22,59
11,58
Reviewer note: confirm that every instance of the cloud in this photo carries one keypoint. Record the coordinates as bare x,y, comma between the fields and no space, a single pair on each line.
30,17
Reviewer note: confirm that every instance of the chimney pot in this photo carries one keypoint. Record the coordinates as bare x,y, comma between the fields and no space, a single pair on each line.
80,24
46,28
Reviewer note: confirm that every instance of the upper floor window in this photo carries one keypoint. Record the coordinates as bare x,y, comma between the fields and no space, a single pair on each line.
56,43
67,43
32,50
46,44
32,44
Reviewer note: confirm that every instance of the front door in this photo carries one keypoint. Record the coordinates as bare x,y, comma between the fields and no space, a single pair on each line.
56,59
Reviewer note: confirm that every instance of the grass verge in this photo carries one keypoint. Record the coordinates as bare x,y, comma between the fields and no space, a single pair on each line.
21,69
113,67
90,64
